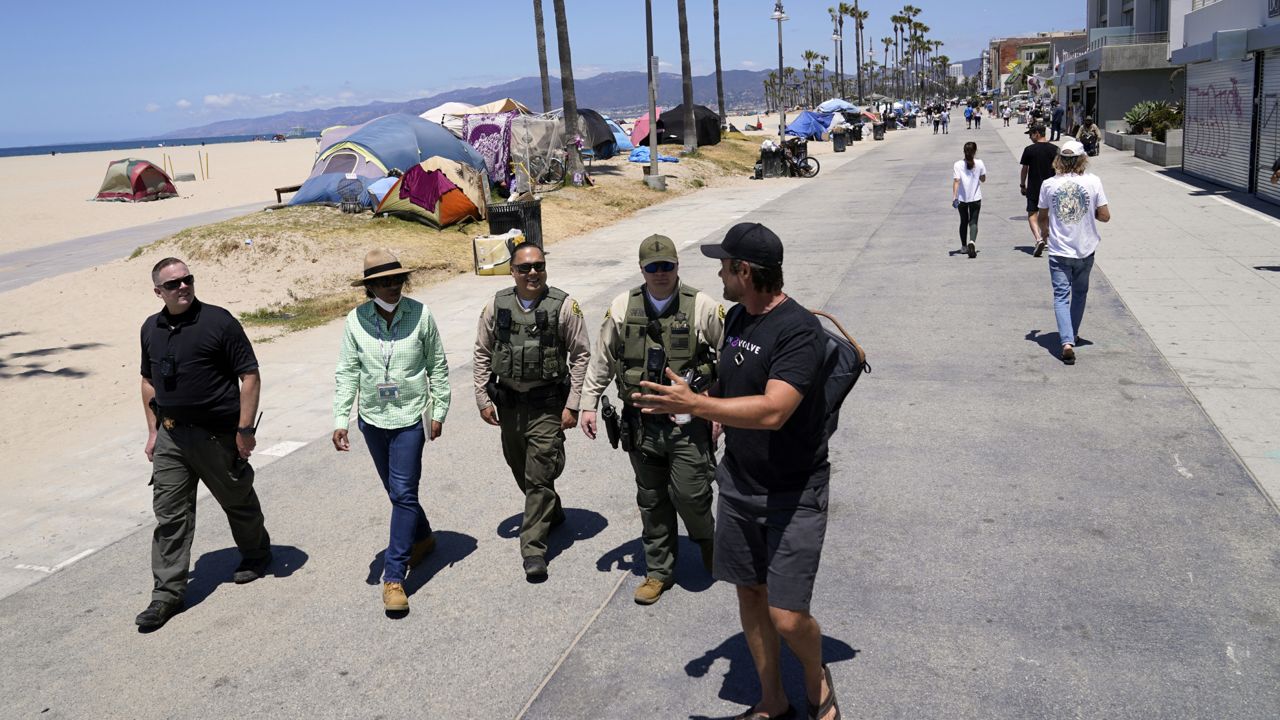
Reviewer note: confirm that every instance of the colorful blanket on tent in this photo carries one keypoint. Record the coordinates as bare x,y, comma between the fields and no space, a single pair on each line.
490,135
641,155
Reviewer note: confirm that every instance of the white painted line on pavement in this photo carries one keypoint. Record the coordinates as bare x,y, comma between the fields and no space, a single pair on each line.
59,566
282,448
1224,201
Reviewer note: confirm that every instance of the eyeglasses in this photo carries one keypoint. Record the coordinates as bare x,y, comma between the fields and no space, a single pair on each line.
387,282
525,268
660,266
189,280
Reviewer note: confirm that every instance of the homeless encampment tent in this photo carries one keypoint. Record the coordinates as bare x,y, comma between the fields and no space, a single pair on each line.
706,123
439,192
640,129
503,105
596,134
368,152
449,115
490,135
620,136
810,125
534,137
835,105
134,180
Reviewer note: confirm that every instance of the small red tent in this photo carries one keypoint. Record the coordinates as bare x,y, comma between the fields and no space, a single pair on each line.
133,180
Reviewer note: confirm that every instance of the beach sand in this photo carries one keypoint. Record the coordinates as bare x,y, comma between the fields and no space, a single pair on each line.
47,198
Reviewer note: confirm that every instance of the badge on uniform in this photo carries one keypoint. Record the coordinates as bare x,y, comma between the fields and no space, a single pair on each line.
388,391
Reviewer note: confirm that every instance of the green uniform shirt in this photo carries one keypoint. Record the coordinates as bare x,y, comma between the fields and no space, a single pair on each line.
414,360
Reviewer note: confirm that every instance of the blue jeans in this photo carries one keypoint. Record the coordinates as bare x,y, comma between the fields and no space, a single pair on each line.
398,456
1070,277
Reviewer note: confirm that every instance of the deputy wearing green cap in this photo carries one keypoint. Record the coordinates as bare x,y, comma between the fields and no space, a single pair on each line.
662,323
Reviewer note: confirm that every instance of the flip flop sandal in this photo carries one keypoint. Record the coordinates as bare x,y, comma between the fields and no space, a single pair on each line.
753,714
818,712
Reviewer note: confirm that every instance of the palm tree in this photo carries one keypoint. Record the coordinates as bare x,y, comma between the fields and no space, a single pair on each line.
542,55
809,56
899,24
837,29
574,162
884,80
909,13
859,18
715,19
922,50
686,81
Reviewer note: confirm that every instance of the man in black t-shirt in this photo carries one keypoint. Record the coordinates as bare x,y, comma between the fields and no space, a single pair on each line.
1037,166
772,513
200,388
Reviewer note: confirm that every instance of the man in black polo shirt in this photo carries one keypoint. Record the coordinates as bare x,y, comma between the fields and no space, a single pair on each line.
200,389
772,513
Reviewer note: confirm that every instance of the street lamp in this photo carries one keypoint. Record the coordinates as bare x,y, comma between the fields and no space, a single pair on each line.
835,54
779,14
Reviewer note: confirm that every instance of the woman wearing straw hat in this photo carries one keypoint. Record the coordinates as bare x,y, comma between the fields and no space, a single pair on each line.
393,360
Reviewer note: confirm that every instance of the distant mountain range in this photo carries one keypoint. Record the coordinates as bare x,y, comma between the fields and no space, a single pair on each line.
621,93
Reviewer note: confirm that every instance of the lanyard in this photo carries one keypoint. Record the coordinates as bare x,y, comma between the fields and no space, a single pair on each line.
388,348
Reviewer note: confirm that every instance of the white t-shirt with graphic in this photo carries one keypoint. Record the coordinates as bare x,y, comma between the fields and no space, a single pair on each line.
970,189
1072,201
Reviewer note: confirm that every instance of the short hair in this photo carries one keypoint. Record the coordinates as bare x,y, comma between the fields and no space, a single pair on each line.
526,245
1065,164
763,279
155,271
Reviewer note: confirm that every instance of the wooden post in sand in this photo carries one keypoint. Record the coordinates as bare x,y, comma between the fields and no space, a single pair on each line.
200,164
206,166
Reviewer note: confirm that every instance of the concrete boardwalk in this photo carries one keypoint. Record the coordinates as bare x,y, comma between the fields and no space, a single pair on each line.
1009,537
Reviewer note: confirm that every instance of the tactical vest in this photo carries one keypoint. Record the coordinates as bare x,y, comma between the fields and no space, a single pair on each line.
679,338
527,345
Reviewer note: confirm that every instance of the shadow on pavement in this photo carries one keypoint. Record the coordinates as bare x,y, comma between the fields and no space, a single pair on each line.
1028,249
740,683
629,557
578,525
23,364
451,548
215,568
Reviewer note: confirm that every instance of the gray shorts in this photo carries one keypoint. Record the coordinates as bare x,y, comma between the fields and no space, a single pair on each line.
761,541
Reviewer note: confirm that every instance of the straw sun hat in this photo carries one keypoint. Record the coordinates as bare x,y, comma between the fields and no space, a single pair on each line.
380,263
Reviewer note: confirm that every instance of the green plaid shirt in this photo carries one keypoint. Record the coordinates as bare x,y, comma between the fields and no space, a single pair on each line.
409,353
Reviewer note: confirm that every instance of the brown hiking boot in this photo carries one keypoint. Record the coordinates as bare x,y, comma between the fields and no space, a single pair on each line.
393,597
650,590
421,550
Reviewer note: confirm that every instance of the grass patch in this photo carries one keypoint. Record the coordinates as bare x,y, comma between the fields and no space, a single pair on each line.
305,313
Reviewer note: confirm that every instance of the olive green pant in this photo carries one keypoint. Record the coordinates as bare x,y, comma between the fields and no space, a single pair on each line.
674,467
533,444
183,456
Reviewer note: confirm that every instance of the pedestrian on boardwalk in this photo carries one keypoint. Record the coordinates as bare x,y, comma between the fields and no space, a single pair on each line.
772,514
936,115
673,457
1037,166
966,195
1071,203
946,121
1069,120
200,388
1007,113
968,117
1055,122
530,359
393,360
977,118
1089,136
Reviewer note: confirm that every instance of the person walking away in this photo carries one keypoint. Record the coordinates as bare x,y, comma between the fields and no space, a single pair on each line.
1007,113
393,361
1055,122
968,117
1071,203
966,196
977,118
946,121
936,114
774,478
200,389
529,362
673,457
1069,120
1037,166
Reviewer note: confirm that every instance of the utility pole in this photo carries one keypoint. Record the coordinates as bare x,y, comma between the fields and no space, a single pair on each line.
653,179
780,15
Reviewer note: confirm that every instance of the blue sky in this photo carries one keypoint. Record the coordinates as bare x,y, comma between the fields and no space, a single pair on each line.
80,71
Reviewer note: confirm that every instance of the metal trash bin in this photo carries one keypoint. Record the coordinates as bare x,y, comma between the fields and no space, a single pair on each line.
771,163
877,131
525,216
838,142
857,132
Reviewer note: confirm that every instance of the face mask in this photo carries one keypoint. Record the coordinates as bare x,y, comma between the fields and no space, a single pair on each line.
389,307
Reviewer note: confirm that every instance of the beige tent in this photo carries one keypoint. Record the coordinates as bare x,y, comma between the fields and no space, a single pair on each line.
450,115
503,105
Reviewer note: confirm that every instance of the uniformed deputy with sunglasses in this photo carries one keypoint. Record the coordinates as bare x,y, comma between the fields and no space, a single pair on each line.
200,387
662,323
530,358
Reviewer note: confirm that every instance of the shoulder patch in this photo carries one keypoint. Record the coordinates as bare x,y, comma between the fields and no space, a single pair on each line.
720,311
608,313
576,310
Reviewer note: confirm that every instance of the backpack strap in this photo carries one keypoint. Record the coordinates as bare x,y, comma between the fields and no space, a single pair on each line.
866,366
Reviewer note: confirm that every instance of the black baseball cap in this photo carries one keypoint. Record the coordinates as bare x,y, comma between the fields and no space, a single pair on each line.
752,242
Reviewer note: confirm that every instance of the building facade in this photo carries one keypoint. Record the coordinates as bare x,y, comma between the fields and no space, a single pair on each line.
1041,50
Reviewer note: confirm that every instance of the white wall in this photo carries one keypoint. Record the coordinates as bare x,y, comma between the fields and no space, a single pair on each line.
1178,10
1225,15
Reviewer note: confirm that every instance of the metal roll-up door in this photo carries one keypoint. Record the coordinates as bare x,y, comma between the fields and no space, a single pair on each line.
1218,122
1269,126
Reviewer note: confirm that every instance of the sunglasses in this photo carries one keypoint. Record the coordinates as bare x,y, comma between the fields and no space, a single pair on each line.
660,266
387,282
525,268
190,281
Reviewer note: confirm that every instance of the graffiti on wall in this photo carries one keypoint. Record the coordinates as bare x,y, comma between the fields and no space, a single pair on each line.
1215,115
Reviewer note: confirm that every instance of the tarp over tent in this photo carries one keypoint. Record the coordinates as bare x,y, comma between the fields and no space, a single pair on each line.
620,136
533,136
640,128
503,105
438,192
706,123
490,135
449,115
134,180
836,105
810,125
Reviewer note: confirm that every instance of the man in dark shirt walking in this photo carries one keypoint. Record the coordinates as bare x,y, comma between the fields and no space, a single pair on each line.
1055,122
200,388
772,513
1037,166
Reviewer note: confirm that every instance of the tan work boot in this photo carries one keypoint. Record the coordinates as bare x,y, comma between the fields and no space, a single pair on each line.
650,590
421,550
393,597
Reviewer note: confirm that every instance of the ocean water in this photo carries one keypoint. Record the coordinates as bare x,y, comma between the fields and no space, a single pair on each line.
137,144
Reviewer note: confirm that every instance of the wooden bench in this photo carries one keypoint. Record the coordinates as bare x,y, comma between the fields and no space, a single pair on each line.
282,190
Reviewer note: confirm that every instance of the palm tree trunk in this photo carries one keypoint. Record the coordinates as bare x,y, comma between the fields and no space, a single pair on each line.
542,55
686,81
857,36
715,18
574,160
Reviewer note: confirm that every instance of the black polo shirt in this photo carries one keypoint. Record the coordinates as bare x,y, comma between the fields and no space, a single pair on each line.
210,352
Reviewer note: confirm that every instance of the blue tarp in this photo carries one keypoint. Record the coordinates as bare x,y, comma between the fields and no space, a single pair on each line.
641,155
810,125
836,105
620,137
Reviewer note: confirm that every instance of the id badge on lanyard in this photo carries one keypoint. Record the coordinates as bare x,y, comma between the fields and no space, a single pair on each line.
387,390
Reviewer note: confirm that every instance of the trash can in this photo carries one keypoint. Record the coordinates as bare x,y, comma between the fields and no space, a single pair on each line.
525,216
857,132
771,163
877,131
838,141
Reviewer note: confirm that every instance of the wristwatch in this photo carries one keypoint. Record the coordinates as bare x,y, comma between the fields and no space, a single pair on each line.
247,430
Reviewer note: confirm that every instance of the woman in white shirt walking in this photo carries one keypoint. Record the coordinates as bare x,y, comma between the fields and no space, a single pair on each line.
1071,204
966,196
